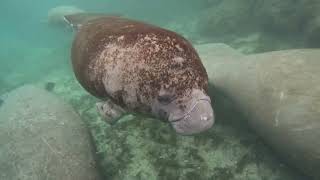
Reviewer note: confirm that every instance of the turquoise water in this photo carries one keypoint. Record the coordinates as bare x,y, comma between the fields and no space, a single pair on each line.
25,28
35,51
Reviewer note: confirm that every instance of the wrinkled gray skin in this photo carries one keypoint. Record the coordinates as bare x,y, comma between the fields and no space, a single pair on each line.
197,118
133,55
278,93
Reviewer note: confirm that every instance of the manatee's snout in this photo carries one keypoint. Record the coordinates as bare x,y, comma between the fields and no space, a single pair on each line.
198,118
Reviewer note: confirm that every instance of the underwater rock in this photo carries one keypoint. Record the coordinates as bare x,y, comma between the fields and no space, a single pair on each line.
289,22
41,137
313,33
217,49
56,15
227,18
49,86
287,17
278,93
1,102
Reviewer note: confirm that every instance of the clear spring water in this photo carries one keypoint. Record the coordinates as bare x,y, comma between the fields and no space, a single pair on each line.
33,51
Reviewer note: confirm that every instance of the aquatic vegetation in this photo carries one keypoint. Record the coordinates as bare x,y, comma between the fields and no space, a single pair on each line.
146,148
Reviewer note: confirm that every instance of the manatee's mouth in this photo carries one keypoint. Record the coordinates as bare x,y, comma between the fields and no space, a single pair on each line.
199,118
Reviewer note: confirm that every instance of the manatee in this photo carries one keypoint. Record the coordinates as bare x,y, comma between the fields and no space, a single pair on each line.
56,14
43,137
137,67
279,95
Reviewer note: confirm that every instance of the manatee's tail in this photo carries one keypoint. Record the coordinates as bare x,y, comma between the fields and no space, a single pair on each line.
78,19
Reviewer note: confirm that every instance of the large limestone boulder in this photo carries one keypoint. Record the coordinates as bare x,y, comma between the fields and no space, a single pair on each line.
41,137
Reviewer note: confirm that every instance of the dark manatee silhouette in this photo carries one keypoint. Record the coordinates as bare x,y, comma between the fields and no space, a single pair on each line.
141,68
279,93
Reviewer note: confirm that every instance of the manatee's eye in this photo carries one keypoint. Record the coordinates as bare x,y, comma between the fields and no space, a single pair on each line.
163,114
166,98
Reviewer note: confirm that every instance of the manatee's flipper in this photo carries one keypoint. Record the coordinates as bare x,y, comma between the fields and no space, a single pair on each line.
110,111
78,19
